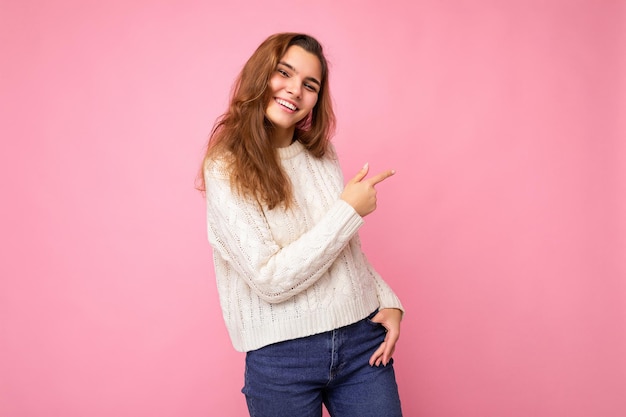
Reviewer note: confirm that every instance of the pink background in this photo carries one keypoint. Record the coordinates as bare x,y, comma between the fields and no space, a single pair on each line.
504,231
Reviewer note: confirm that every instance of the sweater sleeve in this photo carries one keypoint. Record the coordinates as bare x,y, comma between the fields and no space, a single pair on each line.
386,297
239,233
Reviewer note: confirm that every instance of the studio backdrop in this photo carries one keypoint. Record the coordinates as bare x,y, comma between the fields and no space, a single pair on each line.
503,231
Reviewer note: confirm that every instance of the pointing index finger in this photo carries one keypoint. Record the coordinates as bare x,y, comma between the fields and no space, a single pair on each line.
381,177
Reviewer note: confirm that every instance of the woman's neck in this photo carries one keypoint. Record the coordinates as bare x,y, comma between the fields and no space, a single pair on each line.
281,138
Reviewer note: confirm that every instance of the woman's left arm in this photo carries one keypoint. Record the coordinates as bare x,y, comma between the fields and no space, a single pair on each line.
390,319
389,316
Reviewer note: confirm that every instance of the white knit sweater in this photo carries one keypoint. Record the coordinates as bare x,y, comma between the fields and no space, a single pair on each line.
283,274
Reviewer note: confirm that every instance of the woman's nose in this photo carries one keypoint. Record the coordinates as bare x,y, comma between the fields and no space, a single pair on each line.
293,87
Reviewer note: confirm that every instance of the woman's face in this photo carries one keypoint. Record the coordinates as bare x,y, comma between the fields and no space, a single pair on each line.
294,85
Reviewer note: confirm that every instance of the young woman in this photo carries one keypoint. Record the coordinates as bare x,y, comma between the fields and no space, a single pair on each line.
317,322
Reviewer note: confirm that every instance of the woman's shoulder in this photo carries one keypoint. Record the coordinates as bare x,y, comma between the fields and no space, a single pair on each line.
217,165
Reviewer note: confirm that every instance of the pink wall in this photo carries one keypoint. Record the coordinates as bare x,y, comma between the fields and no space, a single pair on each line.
504,230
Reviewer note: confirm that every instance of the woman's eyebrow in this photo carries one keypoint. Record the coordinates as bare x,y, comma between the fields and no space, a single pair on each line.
291,67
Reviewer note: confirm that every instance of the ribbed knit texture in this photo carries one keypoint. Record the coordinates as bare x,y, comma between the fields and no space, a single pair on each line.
283,274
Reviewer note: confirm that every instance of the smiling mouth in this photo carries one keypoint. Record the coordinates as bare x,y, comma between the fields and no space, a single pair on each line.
286,104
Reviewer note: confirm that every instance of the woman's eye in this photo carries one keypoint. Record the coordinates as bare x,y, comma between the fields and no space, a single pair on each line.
310,87
283,72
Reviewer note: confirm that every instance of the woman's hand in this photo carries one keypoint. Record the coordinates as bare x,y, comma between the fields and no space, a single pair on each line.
390,319
360,192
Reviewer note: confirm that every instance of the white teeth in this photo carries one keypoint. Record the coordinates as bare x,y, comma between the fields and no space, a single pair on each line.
286,104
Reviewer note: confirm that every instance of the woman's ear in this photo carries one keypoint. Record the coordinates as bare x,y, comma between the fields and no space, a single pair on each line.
305,123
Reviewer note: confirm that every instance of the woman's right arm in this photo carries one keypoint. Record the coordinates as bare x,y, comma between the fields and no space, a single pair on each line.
240,234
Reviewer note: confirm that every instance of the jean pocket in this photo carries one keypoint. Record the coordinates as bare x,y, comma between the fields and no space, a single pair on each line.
369,321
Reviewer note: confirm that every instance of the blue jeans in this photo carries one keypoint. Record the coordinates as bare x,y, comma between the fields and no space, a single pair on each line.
293,378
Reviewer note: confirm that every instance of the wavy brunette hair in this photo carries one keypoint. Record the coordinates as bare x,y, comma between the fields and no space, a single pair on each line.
242,134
